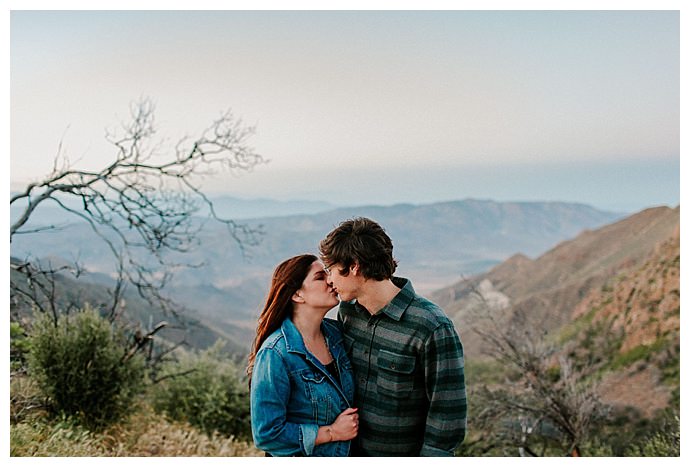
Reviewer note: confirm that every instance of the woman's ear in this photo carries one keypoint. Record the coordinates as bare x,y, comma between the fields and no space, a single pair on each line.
297,297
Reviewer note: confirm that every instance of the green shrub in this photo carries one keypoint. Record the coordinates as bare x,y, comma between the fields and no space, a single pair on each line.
638,353
205,390
80,365
596,448
19,346
664,443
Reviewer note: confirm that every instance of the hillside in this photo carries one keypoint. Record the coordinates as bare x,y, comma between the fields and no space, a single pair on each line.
550,287
642,307
617,287
94,289
644,302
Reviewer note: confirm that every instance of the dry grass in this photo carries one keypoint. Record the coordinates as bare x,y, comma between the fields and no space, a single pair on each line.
25,398
35,436
148,434
144,434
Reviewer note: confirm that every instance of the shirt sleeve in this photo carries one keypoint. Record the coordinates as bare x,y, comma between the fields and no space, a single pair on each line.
446,422
269,397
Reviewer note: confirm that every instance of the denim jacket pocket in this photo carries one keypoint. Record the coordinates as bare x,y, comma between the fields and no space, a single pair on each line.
317,391
395,374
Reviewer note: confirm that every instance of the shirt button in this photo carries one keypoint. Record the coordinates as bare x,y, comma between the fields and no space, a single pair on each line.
392,366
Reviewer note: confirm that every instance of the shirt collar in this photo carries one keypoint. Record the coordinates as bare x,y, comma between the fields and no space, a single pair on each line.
397,306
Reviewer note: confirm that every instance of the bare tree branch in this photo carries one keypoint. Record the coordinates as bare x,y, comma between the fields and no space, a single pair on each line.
141,340
144,205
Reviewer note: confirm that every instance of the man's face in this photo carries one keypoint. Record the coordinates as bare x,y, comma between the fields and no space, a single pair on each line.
347,287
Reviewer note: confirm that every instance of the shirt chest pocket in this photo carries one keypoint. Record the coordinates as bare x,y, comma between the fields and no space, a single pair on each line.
395,374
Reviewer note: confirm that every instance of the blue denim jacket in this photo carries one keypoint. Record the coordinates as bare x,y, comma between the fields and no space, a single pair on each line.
292,393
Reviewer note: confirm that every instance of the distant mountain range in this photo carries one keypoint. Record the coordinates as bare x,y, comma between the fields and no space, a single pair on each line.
436,245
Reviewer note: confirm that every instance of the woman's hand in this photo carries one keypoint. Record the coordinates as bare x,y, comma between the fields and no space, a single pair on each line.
345,427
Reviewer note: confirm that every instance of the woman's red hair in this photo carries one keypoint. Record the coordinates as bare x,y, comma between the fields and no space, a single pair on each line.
287,279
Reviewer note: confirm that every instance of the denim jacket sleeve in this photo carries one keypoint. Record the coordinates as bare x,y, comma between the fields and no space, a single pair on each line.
270,395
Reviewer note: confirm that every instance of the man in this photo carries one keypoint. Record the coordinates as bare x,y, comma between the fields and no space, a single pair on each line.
405,352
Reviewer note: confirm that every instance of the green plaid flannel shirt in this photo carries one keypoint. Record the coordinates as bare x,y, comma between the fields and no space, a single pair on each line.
409,377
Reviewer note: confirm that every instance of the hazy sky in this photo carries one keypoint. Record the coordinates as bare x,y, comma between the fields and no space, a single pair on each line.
372,107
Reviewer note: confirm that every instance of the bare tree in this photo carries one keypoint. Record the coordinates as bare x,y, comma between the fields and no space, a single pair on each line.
143,205
546,399
38,284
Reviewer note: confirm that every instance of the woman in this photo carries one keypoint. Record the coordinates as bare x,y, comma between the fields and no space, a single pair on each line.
300,377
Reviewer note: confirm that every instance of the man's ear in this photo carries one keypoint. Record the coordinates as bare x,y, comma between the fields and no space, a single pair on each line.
354,269
297,297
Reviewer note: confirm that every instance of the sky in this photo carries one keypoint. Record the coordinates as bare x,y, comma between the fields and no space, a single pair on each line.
369,107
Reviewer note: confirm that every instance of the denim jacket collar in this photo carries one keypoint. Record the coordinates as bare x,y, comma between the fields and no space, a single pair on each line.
293,339
295,343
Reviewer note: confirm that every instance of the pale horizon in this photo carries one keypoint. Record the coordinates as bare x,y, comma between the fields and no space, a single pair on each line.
370,107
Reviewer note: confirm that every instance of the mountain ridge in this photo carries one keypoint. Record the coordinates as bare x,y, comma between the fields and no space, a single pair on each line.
551,285
435,245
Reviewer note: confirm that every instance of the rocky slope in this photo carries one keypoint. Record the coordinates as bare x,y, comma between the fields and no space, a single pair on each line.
551,287
642,307
617,287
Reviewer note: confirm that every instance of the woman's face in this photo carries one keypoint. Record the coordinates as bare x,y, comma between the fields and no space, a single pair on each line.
315,290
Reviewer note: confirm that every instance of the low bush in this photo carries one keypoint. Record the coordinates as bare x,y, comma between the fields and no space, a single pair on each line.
19,346
664,443
80,365
206,390
639,353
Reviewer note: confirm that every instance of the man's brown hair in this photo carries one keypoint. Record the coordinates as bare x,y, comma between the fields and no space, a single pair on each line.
361,241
